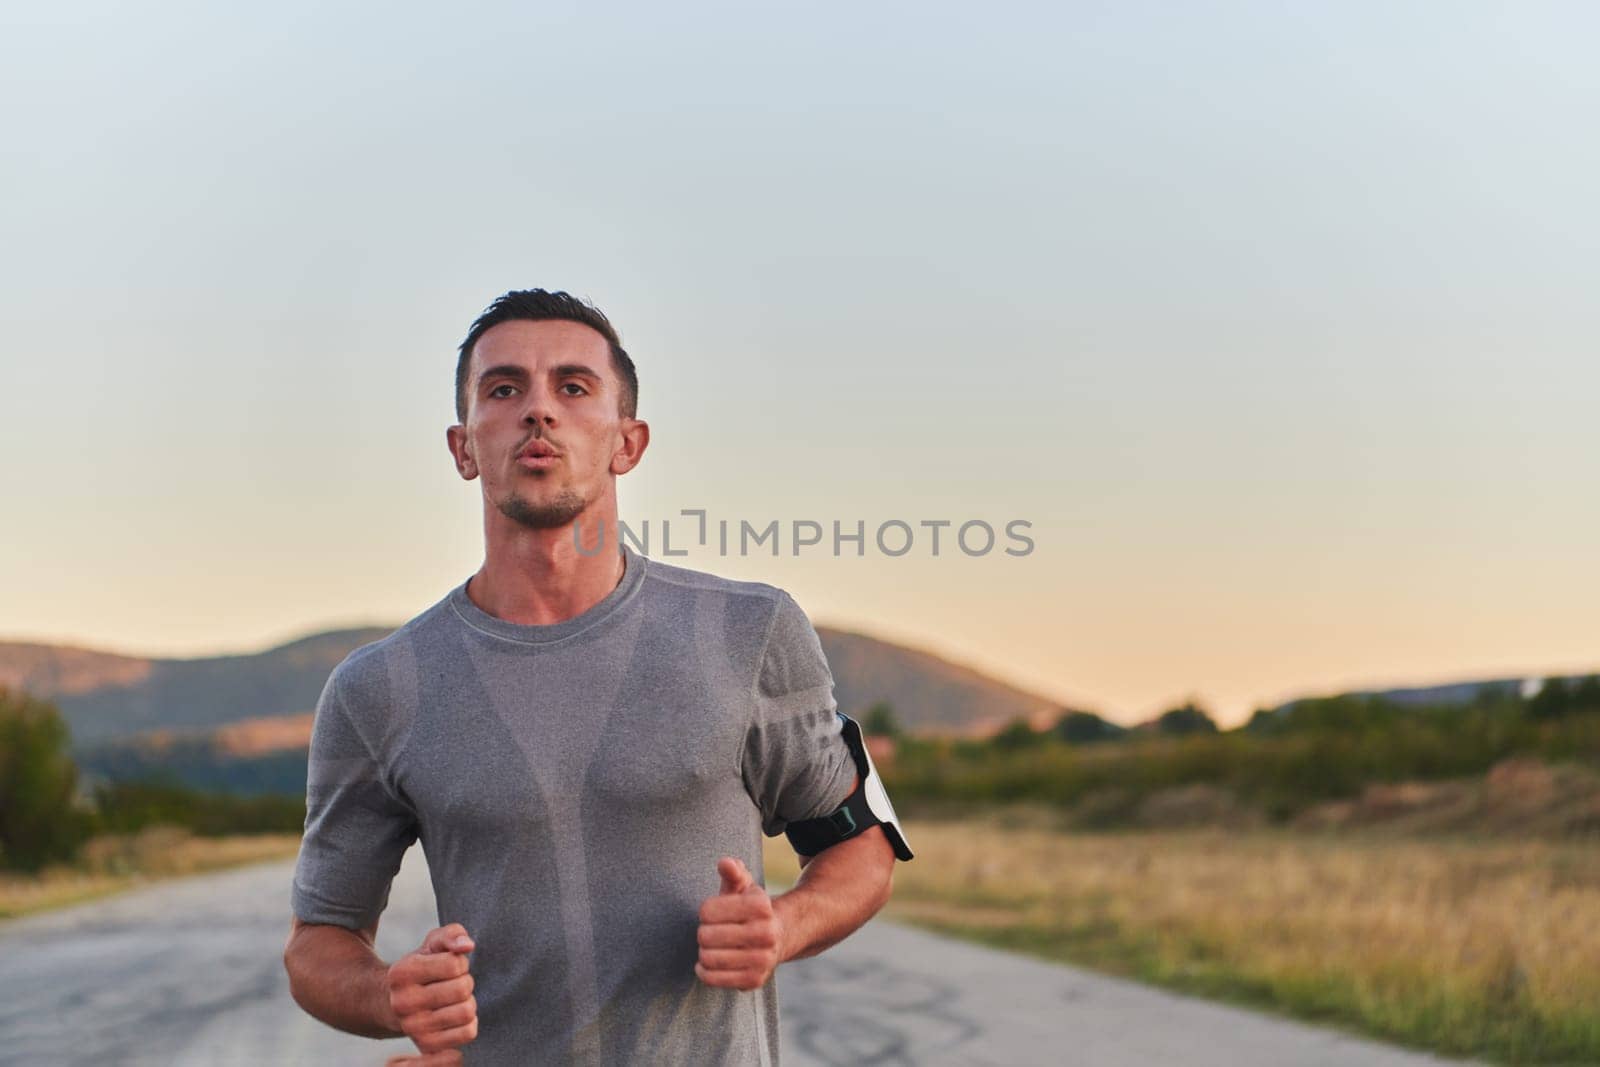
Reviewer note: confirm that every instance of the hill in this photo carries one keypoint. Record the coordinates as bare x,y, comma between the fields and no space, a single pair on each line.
243,721
105,696
929,694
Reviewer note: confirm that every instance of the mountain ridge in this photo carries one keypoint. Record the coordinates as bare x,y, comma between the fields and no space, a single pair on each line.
109,696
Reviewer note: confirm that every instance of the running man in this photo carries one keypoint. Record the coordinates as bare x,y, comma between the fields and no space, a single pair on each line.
589,745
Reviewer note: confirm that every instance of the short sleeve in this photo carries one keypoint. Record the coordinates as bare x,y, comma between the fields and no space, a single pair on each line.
796,763
356,830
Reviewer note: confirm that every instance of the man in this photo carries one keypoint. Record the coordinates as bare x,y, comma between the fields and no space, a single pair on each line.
589,744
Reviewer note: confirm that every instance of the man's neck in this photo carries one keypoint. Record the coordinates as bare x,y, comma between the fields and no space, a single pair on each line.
538,577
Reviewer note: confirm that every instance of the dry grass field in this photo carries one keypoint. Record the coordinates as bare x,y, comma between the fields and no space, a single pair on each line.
1465,946
1471,947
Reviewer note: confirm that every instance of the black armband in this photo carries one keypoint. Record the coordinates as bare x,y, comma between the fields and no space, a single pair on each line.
867,807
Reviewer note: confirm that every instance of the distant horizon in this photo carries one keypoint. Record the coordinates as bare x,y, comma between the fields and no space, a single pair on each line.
954,658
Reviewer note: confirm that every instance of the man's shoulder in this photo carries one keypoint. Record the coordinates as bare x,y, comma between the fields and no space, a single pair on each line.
365,669
674,576
775,630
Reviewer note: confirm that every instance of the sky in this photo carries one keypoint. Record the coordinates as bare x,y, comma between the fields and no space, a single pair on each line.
1275,324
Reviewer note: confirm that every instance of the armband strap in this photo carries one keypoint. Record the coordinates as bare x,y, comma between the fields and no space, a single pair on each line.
863,809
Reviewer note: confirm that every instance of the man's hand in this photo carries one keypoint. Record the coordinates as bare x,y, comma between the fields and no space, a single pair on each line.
430,993
741,937
451,1058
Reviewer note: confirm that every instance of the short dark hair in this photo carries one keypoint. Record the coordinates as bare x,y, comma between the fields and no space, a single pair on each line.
539,305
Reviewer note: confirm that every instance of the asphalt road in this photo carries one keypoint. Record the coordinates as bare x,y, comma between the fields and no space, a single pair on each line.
189,973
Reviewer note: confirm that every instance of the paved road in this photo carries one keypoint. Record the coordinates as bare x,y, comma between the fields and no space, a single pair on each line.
188,973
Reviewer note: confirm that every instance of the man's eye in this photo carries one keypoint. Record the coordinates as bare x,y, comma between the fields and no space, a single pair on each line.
497,388
581,391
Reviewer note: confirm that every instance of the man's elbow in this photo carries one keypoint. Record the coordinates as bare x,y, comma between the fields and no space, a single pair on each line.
293,973
886,866
293,948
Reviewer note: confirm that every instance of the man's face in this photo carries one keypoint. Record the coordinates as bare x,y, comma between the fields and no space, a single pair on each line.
542,387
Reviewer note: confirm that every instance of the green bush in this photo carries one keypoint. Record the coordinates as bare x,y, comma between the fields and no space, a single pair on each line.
879,721
1018,733
128,807
1188,719
1086,728
40,822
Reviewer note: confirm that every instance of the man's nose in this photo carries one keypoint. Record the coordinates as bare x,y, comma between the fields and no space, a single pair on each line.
540,409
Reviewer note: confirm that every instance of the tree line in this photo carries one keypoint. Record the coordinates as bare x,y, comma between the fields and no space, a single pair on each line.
1281,761
45,817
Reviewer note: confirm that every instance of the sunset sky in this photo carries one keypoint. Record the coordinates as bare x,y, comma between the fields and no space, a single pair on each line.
1277,325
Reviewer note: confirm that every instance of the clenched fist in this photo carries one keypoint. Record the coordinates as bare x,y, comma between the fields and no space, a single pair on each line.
431,1059
430,991
741,936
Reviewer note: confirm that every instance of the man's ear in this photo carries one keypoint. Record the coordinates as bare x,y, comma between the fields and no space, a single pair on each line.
635,439
456,437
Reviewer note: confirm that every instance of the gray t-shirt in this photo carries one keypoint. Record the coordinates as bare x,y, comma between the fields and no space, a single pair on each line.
573,786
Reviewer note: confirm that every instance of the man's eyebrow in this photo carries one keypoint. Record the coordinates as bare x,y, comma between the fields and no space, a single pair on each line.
504,370
568,369
565,370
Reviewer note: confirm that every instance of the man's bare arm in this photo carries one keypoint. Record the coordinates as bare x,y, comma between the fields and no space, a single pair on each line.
426,995
337,977
745,934
839,889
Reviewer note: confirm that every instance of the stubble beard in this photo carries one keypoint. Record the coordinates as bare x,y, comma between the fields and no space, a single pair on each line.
554,513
